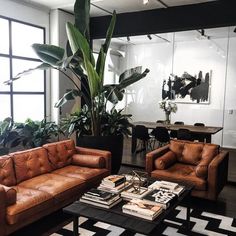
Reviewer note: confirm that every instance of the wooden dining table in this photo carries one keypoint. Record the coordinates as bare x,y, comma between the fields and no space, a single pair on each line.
207,131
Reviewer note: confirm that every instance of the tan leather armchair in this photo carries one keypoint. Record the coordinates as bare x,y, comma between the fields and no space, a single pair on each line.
201,164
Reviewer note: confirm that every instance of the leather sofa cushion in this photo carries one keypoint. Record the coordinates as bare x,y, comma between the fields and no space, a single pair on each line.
84,173
10,194
29,202
181,173
88,161
7,172
60,153
60,187
165,161
31,163
192,153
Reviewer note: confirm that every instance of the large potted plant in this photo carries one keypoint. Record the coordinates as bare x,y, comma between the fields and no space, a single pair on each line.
94,119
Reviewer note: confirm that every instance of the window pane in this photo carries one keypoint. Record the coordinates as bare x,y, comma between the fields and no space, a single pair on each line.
28,106
5,106
4,73
33,82
23,36
4,32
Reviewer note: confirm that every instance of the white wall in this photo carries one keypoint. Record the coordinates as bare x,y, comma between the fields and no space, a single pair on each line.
191,56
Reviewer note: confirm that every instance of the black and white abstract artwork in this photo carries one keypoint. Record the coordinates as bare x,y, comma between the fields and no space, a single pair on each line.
188,88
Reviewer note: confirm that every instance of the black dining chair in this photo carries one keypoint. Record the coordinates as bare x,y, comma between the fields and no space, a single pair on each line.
161,135
140,132
160,121
199,137
173,133
184,134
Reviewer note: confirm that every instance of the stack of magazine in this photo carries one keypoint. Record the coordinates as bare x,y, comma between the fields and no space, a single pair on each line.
142,209
100,198
114,184
132,193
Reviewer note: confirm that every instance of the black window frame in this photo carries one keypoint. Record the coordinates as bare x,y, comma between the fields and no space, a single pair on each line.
10,56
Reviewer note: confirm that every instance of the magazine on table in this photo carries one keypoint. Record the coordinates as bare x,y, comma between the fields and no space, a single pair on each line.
113,180
105,202
140,208
134,192
100,204
174,187
98,194
163,197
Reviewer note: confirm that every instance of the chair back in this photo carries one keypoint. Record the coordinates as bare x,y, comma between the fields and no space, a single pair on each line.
179,123
160,121
199,124
141,132
161,134
184,134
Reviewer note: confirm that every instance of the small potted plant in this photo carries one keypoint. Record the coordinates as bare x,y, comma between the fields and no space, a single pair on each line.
168,107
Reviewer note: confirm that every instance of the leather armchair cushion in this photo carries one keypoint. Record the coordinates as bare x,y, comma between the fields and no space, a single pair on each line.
192,153
181,173
177,146
29,203
60,153
7,172
10,194
88,161
31,163
165,161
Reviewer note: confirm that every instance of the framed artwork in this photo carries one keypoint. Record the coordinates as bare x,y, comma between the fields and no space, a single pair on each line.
188,88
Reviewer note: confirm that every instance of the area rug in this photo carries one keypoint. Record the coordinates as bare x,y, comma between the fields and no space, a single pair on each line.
202,223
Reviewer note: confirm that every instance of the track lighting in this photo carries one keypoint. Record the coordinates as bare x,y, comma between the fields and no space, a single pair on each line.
145,2
128,38
149,37
235,30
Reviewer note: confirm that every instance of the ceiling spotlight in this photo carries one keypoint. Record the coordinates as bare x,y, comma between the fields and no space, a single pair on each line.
145,2
202,32
235,30
149,37
128,38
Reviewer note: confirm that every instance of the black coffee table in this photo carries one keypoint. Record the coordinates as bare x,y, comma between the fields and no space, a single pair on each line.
115,216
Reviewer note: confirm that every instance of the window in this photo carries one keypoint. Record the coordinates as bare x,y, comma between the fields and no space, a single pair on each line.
25,98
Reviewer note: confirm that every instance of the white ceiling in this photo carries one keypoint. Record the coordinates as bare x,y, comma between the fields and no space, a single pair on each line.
120,6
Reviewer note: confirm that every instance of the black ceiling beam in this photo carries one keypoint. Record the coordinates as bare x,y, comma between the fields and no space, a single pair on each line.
189,17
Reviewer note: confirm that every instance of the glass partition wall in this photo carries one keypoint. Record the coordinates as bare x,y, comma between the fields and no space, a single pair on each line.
206,57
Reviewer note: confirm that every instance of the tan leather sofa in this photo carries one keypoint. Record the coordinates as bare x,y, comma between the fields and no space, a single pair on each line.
202,165
37,182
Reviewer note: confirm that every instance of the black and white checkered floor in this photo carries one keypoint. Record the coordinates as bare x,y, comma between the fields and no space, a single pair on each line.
202,223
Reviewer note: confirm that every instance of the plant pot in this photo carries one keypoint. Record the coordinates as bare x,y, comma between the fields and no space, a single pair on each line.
114,144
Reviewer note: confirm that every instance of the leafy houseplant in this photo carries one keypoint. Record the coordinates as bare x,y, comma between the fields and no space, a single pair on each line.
93,119
168,107
9,138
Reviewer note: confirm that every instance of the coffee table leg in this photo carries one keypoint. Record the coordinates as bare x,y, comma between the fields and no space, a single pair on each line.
188,218
76,226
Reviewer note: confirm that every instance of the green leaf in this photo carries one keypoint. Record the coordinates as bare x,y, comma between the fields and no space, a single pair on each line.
132,78
93,78
49,54
82,16
71,95
78,41
113,94
43,66
104,48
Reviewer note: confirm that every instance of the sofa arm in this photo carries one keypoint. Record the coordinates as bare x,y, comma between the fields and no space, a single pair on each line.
151,157
88,161
96,152
3,206
10,195
217,174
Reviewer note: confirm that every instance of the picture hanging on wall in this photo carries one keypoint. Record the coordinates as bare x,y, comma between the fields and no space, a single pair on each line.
188,88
